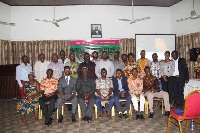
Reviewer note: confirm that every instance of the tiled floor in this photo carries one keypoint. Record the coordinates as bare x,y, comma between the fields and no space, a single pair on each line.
9,119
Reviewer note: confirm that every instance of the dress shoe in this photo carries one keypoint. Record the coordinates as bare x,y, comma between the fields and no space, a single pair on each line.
108,114
60,119
89,119
137,117
84,118
151,116
125,116
167,113
142,117
49,122
73,118
120,115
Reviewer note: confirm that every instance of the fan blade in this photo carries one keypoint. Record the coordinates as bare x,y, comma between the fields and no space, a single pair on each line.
183,19
142,19
124,19
43,20
62,19
56,24
6,23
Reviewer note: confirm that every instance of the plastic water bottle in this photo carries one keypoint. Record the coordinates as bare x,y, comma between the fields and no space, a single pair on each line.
192,125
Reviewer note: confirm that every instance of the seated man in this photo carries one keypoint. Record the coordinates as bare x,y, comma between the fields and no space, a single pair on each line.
104,89
48,89
151,88
67,92
121,90
85,87
135,84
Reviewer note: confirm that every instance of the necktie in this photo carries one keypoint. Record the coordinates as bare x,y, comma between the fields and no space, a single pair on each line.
67,80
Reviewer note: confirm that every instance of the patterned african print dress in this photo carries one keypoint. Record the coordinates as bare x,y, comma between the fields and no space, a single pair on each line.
25,106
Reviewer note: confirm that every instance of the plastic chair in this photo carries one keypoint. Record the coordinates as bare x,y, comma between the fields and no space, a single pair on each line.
191,111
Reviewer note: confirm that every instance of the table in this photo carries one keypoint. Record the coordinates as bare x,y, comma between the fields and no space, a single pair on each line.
192,85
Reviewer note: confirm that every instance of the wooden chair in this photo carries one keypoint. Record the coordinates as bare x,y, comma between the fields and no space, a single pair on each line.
191,111
156,104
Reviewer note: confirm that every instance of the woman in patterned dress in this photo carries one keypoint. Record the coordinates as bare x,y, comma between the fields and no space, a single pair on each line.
30,102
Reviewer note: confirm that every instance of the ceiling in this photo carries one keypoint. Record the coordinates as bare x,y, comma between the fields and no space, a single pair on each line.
159,3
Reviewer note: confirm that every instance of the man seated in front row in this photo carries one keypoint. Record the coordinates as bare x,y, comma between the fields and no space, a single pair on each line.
48,87
104,89
121,90
151,90
135,85
67,92
85,87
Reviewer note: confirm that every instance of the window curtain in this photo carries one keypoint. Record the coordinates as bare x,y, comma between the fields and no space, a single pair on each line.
12,51
183,45
127,45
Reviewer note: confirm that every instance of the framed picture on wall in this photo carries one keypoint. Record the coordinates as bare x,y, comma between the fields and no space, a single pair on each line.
96,31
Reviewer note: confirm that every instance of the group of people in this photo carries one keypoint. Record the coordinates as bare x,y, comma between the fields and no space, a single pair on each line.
100,80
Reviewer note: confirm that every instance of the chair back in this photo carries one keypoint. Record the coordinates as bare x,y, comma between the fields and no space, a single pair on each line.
192,105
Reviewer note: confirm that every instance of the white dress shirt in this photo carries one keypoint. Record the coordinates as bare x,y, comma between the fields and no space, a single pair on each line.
40,70
68,79
108,65
176,72
22,72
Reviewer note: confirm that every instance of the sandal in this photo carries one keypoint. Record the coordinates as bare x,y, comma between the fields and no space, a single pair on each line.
21,121
36,121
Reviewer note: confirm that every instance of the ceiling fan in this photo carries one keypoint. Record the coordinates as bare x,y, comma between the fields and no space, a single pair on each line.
193,15
134,20
6,23
54,21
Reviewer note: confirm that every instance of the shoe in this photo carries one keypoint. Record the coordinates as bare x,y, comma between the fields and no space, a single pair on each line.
151,116
60,119
46,123
100,115
142,117
120,115
137,117
125,116
73,118
84,118
167,113
50,121
89,119
108,114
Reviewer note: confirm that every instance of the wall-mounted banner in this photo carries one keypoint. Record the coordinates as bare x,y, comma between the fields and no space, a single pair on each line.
78,47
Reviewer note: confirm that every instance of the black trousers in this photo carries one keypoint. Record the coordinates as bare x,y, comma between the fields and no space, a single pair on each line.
178,86
168,87
48,112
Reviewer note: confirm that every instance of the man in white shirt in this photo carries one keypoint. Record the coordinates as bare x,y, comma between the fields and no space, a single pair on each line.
22,72
104,63
180,77
62,57
40,68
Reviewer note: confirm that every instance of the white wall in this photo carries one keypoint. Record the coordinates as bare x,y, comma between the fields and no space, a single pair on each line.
5,16
78,26
182,10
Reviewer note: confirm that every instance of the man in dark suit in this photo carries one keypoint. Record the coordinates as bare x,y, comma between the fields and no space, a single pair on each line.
121,90
181,76
67,92
96,31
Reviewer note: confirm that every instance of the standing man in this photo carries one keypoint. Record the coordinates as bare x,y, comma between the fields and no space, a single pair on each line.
104,89
95,56
181,76
155,68
67,92
117,63
86,88
62,57
56,66
73,65
40,68
151,89
22,72
143,62
48,89
89,64
124,58
104,63
121,90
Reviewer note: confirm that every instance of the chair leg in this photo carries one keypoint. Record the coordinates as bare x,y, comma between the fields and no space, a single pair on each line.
40,113
146,107
57,113
95,108
113,110
162,104
79,111
130,111
168,123
196,123
187,125
156,105
63,109
180,128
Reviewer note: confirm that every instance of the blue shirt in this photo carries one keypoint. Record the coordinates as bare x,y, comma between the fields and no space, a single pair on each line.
22,72
120,84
